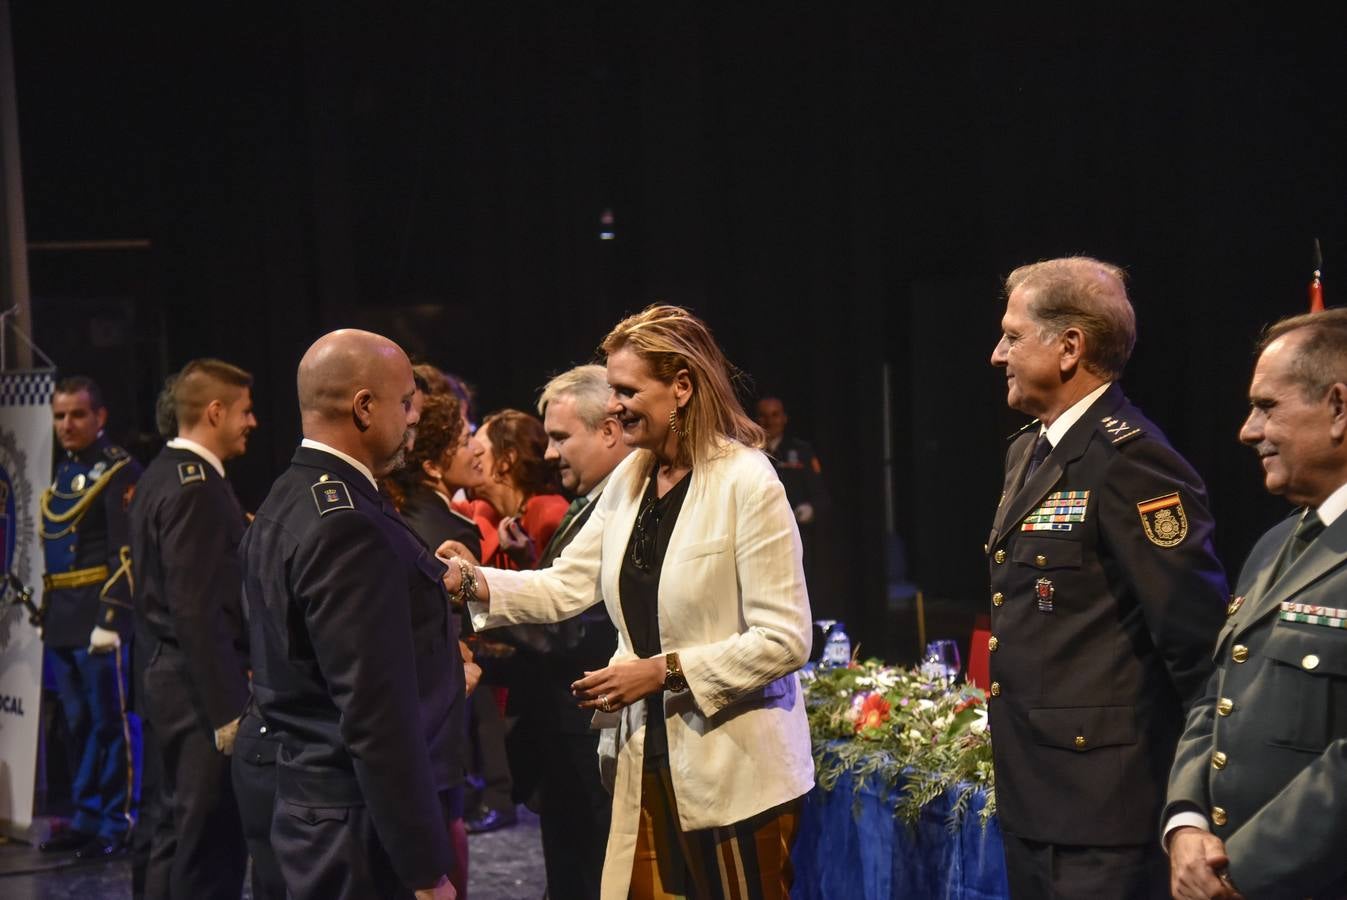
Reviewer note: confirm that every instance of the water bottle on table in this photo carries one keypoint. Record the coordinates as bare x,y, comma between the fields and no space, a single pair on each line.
836,647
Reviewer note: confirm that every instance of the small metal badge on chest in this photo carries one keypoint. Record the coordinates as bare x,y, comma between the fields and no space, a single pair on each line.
1044,592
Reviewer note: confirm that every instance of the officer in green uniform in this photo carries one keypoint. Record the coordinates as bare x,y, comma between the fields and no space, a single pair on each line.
87,619
1258,794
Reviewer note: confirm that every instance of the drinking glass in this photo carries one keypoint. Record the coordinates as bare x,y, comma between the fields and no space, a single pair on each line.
942,660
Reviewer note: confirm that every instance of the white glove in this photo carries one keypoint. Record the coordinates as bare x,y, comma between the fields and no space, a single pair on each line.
103,641
224,737
804,513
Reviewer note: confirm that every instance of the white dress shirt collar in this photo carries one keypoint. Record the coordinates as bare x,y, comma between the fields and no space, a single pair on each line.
344,457
1058,429
1333,506
191,446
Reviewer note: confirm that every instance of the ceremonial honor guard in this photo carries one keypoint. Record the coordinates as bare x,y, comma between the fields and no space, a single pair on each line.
350,640
186,525
87,619
1258,794
1105,597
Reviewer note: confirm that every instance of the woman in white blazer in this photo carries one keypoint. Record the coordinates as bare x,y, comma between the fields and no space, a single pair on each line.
695,553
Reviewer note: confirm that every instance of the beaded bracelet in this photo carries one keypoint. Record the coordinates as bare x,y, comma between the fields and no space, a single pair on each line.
467,583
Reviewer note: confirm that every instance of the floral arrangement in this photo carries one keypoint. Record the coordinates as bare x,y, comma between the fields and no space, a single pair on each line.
912,731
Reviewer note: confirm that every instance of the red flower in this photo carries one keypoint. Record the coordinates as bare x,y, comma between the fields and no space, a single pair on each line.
966,703
874,712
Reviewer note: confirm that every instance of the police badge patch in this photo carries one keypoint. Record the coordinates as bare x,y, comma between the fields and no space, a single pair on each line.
330,495
1163,520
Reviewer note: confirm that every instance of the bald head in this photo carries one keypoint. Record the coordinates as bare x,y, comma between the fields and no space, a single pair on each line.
338,365
355,389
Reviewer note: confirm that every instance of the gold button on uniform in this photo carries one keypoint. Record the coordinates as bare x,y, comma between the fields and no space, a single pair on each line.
998,598
1218,816
999,556
996,688
1310,662
1040,560
1080,742
1218,760
1239,653
985,548
993,643
1225,706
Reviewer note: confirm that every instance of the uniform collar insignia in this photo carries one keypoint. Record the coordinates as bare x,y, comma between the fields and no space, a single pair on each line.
330,495
189,472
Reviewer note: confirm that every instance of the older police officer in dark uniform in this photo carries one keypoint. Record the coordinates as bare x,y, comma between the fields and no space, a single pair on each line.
87,620
1258,794
350,641
1106,596
186,526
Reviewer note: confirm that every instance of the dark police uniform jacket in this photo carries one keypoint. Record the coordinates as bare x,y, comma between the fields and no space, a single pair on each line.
1106,599
87,544
1264,752
186,525
798,468
434,523
347,617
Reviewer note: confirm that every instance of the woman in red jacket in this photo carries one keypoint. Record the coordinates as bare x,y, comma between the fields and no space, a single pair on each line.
518,507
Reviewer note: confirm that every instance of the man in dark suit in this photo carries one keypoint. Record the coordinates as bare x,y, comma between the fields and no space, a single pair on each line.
186,525
353,667
801,474
553,749
87,620
1258,794
1106,596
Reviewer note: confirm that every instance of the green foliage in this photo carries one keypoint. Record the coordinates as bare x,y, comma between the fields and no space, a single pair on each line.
914,735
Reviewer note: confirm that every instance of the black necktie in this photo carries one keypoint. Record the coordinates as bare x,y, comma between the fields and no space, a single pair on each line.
1042,447
1310,527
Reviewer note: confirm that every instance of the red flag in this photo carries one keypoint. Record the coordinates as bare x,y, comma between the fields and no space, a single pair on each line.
1316,285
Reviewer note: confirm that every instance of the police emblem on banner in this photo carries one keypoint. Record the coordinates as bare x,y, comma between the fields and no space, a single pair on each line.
18,529
1163,520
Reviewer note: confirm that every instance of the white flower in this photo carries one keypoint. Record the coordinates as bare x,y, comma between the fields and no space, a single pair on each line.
979,725
925,705
864,681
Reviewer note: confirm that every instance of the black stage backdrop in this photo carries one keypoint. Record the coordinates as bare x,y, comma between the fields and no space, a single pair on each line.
835,190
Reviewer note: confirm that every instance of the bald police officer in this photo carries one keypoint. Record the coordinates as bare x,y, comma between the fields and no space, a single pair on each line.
1258,794
349,622
1106,596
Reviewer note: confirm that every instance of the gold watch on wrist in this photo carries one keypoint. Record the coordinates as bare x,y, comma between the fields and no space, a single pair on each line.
673,674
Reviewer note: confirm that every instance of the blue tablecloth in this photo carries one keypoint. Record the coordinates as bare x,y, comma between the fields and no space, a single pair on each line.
839,855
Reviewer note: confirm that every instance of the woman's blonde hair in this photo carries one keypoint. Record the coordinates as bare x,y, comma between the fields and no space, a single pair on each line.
670,338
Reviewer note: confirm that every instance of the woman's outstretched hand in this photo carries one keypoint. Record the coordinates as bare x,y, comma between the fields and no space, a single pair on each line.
621,684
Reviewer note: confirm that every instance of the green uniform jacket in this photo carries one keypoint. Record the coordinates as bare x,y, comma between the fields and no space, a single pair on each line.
1264,752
